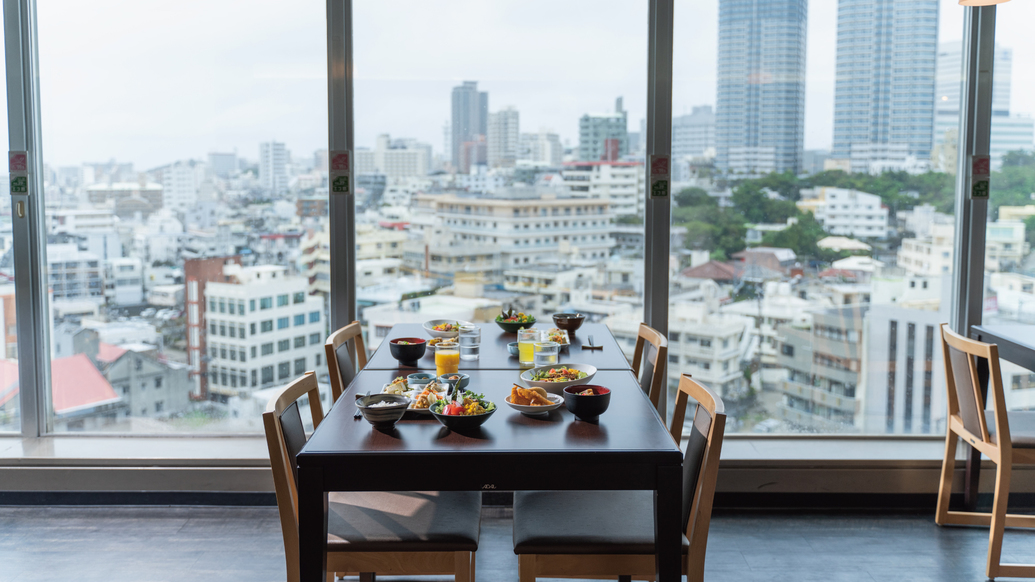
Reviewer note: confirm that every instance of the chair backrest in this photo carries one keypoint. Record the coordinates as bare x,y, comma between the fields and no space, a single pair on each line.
966,404
339,361
700,461
285,437
652,352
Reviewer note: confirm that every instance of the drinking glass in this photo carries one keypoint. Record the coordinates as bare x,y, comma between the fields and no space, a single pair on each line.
470,342
447,361
526,342
546,353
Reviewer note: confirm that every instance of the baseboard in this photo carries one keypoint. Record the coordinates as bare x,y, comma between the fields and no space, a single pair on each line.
224,498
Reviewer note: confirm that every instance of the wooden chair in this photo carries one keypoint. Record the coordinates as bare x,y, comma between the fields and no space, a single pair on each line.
396,533
339,362
603,534
990,432
652,381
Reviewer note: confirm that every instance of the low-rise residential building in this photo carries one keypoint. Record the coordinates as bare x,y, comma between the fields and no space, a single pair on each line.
1005,247
149,387
124,281
622,184
846,212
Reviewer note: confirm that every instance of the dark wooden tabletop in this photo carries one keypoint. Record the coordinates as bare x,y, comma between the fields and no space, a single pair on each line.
1016,341
494,355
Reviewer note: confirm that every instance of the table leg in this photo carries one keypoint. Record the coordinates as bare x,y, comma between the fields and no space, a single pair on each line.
667,522
312,525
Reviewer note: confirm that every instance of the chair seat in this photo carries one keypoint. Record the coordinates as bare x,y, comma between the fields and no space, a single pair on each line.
411,521
585,522
1022,428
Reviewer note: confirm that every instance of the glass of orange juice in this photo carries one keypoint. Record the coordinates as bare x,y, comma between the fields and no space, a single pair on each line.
447,361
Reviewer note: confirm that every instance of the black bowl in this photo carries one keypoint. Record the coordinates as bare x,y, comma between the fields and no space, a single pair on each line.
383,417
513,326
462,381
408,352
587,407
460,423
569,321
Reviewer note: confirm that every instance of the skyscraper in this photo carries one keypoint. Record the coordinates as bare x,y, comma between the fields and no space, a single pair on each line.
884,92
1009,133
470,116
604,136
760,102
503,137
273,160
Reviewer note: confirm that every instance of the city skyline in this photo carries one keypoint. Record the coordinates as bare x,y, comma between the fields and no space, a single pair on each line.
288,91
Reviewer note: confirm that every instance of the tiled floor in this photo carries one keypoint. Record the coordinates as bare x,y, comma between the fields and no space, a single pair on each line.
199,544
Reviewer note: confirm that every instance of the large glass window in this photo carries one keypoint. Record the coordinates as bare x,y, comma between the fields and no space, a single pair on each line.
185,153
812,220
1010,236
10,408
516,178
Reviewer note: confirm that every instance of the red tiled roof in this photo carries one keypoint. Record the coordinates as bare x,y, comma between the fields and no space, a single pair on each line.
714,270
75,383
109,352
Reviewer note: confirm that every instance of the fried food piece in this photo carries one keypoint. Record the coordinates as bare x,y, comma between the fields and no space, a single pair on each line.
517,398
534,397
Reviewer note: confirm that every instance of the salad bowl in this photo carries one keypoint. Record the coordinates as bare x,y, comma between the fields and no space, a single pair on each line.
461,423
552,381
511,321
453,331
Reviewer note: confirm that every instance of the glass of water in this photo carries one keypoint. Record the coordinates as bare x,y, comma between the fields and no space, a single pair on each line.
546,353
470,342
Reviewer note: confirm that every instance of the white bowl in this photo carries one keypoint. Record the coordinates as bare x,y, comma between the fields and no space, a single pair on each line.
557,387
432,323
537,410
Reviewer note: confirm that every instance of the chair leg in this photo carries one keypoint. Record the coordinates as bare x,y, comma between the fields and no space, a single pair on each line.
463,562
995,531
526,568
474,560
945,487
367,577
625,578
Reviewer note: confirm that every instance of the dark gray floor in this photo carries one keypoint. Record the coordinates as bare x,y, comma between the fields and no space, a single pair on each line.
131,544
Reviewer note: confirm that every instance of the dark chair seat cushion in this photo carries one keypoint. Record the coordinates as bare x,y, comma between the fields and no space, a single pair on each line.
1022,428
411,521
585,522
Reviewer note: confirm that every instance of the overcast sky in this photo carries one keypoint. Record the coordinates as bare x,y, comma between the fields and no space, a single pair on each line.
156,81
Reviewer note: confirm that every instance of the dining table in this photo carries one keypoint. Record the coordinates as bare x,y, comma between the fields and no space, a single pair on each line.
626,448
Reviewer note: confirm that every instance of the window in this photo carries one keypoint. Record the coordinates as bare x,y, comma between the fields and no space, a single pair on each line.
251,305
267,349
283,322
300,319
267,374
266,326
314,338
283,345
300,366
299,297
314,316
283,370
282,300
300,342
251,328
253,351
266,303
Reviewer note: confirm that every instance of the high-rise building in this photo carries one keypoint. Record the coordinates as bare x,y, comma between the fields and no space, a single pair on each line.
503,137
222,165
397,158
693,134
760,102
884,93
604,136
470,116
180,182
1009,133
542,148
273,161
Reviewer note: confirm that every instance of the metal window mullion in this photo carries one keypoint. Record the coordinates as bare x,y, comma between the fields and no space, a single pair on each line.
342,207
29,250
659,142
974,139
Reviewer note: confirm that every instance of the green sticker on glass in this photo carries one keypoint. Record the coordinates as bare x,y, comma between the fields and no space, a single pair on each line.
19,185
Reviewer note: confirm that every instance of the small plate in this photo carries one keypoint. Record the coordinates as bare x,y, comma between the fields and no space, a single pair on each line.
527,410
565,339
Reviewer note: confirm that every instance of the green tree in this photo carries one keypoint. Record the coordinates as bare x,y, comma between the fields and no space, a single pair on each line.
694,197
628,219
756,206
802,238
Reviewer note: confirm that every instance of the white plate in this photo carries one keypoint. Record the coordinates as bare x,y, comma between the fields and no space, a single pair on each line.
412,394
557,387
538,410
433,322
562,332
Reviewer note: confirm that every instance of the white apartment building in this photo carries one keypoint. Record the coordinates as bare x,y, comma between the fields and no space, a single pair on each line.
81,220
622,184
552,284
542,148
481,179
751,162
398,158
877,158
530,226
846,212
400,190
74,274
273,163
1015,296
503,138
263,329
693,134
180,182
124,281
932,255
